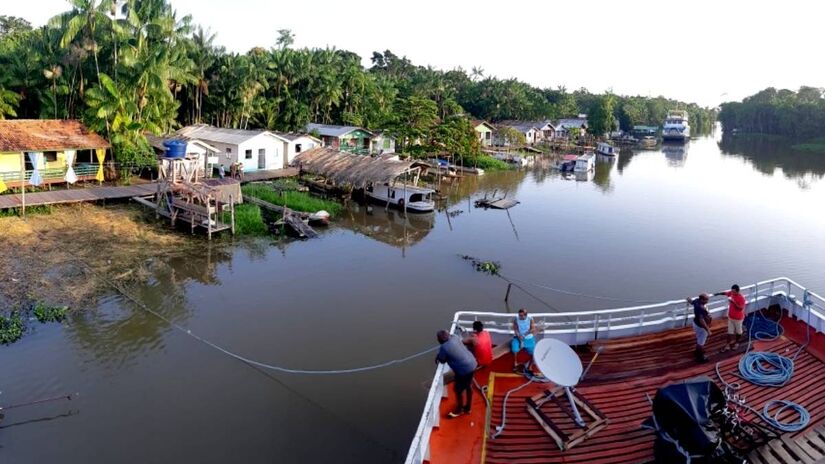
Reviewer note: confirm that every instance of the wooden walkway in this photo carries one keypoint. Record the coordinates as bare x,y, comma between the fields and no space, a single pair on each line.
78,195
270,174
807,449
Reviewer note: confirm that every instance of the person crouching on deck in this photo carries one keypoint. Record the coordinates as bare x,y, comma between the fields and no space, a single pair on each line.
480,344
736,316
523,340
701,324
463,364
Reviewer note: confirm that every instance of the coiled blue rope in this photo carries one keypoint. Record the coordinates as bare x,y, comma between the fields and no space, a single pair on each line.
773,419
765,368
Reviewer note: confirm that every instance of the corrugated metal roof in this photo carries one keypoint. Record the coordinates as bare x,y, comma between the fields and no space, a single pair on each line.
292,136
18,135
330,130
221,135
572,122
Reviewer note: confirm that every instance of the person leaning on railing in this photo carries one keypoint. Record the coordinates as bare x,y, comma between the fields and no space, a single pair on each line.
701,324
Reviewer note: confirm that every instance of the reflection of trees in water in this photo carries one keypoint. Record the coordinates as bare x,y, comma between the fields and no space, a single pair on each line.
500,182
601,176
118,331
625,156
767,153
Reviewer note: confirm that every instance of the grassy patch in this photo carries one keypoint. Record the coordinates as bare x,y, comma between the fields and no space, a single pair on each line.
11,328
298,201
248,220
30,211
488,163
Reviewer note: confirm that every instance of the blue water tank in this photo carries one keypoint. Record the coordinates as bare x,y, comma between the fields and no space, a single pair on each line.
175,148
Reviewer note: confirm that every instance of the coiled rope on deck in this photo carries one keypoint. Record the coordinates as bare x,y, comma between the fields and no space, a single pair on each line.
771,370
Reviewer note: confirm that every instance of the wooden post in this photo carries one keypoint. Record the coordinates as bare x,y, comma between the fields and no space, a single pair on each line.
507,296
232,212
23,180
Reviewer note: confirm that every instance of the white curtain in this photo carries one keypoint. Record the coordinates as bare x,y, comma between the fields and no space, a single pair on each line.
71,177
34,158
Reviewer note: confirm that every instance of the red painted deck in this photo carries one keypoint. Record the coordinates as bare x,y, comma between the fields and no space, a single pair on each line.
624,372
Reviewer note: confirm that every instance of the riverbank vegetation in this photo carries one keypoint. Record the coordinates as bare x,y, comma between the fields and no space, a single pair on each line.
799,115
146,69
292,199
249,220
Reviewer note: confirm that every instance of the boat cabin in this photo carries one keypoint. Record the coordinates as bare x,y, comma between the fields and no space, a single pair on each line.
585,162
606,149
403,196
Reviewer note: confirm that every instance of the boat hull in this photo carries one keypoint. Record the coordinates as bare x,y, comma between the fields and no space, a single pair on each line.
413,206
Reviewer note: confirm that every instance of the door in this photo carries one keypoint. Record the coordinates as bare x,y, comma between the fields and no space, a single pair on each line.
262,158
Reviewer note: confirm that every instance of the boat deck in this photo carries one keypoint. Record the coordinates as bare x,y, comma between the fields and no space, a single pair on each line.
625,371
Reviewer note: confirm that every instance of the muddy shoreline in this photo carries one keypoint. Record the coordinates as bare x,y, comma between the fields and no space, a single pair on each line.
40,256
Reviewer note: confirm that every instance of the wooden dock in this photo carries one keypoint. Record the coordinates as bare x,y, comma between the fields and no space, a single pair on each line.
269,174
77,195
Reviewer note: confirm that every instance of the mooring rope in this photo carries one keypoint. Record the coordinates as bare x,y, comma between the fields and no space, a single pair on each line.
572,293
245,359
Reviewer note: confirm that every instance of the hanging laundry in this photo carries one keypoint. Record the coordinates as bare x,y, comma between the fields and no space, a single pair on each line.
101,155
70,177
34,158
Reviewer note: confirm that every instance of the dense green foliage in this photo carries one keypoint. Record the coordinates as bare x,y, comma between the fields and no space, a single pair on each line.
800,115
148,70
45,313
248,220
11,328
298,201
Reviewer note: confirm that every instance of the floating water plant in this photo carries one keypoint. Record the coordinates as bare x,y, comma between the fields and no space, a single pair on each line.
487,267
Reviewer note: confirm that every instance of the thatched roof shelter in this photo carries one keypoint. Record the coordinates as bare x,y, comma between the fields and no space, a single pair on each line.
353,170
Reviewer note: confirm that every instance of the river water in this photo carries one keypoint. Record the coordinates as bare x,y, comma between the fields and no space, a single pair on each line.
652,225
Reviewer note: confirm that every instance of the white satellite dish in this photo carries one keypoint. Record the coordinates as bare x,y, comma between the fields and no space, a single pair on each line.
562,366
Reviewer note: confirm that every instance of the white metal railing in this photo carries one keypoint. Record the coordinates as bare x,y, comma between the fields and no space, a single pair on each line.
580,327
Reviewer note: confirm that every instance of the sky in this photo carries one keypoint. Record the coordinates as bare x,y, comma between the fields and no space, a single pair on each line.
699,51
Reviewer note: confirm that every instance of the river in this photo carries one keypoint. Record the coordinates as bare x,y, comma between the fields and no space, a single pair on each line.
652,225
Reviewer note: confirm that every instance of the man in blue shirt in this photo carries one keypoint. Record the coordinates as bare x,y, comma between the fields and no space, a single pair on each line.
701,324
463,363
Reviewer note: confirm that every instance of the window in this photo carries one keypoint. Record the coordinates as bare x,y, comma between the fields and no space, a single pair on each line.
228,153
297,148
387,144
50,156
248,154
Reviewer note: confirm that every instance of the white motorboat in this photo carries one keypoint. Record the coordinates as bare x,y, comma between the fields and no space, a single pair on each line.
606,149
403,196
585,162
676,127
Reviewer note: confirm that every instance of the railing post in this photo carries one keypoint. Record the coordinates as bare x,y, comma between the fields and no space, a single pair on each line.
596,327
641,321
608,324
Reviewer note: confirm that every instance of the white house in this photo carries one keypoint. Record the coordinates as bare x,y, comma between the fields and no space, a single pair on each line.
381,144
255,149
564,125
297,143
195,148
527,128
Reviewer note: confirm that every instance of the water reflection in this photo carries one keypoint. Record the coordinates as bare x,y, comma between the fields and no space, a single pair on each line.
676,153
116,337
388,226
601,175
767,153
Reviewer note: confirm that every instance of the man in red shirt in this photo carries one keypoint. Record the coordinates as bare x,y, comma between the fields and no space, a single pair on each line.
480,344
736,315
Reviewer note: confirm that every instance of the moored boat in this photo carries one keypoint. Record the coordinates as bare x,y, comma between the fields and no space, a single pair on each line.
585,162
606,149
630,354
403,196
648,141
676,127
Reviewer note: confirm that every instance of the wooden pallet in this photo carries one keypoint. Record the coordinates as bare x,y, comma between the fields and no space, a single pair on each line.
806,449
566,439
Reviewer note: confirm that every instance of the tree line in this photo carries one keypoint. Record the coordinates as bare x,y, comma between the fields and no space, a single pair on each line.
799,114
144,69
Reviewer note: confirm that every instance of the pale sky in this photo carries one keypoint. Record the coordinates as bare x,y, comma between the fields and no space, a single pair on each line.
701,51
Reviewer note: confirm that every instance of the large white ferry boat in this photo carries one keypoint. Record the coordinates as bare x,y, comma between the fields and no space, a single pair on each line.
676,127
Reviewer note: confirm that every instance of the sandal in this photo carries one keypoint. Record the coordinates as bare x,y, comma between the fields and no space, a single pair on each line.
453,414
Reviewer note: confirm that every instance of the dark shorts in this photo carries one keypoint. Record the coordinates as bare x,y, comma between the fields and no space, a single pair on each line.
463,382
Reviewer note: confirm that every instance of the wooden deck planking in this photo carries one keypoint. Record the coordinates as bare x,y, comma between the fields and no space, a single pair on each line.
657,360
77,195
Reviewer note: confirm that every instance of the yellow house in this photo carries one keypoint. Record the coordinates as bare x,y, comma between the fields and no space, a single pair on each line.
46,146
